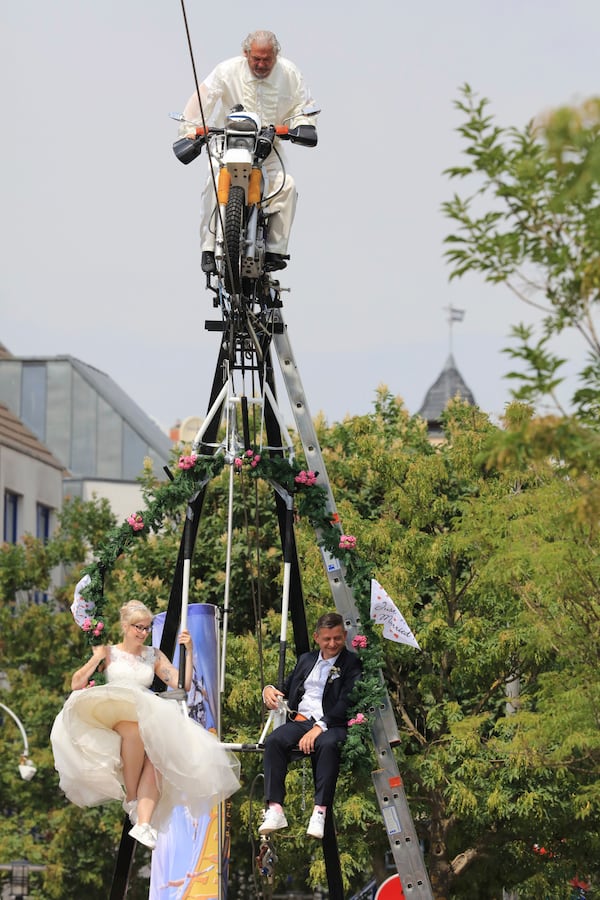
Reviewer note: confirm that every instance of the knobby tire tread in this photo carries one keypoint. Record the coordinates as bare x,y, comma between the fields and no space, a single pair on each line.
234,217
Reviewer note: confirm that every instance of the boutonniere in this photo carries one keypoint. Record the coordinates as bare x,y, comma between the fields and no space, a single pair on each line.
334,673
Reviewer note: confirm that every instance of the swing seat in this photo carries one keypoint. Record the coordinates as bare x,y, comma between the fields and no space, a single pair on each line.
296,753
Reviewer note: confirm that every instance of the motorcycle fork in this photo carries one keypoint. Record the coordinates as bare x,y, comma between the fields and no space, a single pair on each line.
223,186
254,195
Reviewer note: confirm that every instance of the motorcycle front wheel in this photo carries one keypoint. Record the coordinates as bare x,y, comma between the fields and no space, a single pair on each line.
234,219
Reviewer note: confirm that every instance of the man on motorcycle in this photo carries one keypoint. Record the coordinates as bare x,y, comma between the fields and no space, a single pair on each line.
263,82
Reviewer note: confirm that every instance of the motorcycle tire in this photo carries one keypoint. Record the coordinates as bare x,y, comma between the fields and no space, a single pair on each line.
234,219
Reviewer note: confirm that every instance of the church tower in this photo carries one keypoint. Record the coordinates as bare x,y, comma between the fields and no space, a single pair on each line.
445,388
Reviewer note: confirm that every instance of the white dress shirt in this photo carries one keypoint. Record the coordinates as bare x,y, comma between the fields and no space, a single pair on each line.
311,704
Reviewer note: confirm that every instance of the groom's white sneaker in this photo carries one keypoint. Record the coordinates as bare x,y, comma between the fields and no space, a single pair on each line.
273,821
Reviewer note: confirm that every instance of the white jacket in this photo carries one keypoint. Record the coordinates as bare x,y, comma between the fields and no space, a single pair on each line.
279,96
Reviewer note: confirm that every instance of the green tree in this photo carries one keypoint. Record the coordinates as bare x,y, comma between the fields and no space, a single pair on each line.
28,565
531,221
253,647
41,646
469,550
490,550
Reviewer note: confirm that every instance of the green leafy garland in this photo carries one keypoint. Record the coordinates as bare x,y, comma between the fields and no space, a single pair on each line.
193,472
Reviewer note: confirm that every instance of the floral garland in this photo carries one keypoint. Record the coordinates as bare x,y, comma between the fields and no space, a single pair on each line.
193,472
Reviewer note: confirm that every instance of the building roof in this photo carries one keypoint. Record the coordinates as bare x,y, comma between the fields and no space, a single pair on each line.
448,385
84,418
18,437
124,405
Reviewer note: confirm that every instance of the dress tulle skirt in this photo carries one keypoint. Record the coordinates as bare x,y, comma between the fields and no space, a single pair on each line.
194,770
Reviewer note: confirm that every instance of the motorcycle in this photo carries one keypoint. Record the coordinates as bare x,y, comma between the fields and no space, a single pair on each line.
239,150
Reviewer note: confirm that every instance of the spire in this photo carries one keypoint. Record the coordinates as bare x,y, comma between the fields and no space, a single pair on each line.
448,384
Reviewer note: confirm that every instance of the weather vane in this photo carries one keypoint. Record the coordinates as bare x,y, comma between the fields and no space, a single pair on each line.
454,315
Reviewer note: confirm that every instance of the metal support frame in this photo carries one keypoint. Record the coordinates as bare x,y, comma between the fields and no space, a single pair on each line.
251,350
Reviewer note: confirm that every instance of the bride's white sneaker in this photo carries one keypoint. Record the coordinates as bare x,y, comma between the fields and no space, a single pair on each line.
144,834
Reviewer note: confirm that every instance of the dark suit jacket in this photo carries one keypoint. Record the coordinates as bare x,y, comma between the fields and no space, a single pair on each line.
337,689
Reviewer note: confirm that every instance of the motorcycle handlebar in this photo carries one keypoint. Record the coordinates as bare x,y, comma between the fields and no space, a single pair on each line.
188,148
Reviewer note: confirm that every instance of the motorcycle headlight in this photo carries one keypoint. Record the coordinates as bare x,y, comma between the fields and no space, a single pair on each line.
242,130
241,142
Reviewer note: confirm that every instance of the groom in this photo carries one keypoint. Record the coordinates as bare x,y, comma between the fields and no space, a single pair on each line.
318,692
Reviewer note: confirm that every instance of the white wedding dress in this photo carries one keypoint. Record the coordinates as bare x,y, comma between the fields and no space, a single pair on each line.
195,771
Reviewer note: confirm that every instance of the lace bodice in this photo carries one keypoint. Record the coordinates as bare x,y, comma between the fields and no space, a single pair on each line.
129,668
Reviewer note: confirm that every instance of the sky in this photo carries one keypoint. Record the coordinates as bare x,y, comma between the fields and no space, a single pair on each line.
99,221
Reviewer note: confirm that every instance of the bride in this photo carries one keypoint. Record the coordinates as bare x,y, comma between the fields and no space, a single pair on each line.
121,741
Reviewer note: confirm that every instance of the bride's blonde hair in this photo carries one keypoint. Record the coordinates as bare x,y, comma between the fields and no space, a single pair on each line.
134,611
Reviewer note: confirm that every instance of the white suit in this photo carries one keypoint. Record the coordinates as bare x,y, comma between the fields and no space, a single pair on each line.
281,95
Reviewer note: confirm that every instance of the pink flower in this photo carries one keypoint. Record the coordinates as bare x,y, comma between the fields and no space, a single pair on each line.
136,521
187,462
360,718
359,641
238,462
253,458
308,478
99,626
91,683
249,457
86,625
347,542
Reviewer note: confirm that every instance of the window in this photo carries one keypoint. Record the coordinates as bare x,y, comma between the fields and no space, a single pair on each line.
33,398
58,412
134,451
83,428
11,517
43,518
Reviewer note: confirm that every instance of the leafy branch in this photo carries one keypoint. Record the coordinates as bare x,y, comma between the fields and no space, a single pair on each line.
532,223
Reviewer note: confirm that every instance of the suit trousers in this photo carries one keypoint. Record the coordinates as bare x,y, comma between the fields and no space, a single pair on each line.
325,759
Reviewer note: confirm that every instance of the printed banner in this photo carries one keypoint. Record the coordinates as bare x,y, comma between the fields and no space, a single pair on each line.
185,863
385,612
81,608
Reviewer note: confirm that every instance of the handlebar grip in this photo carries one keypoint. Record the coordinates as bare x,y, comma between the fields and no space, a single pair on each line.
187,149
304,134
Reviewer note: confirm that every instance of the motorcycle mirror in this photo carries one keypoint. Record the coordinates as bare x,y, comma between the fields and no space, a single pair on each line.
307,111
179,117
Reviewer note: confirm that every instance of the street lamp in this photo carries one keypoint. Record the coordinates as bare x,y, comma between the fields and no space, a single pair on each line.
18,887
26,768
